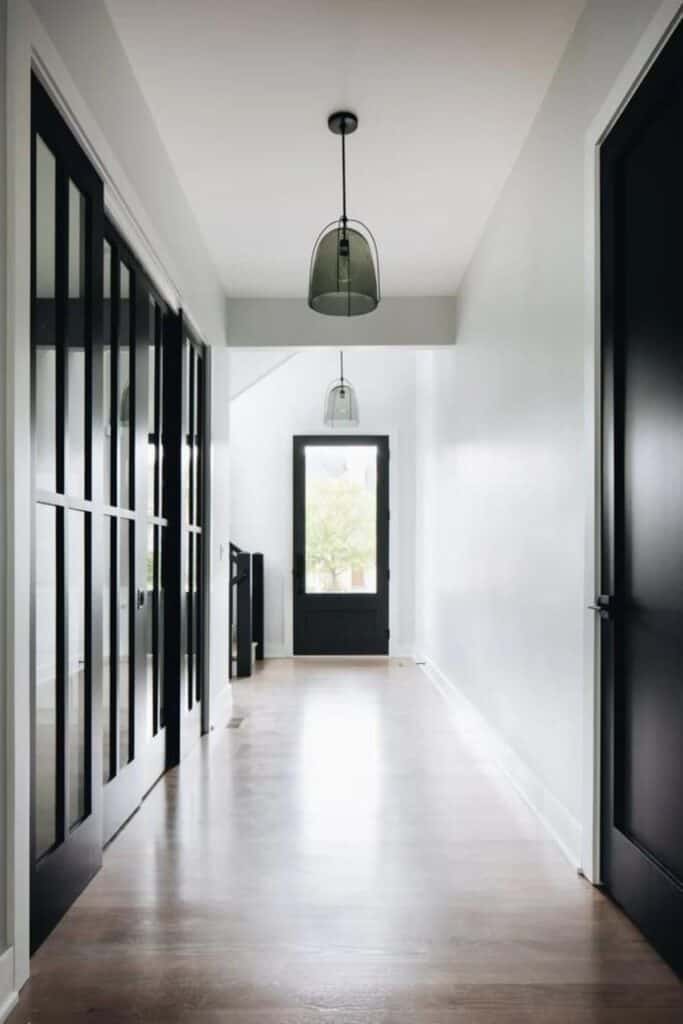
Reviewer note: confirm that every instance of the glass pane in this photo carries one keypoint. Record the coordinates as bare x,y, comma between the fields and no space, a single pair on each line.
197,427
150,613
44,321
187,646
188,473
109,527
197,609
151,412
124,403
76,361
160,439
106,374
46,679
341,519
125,645
160,535
77,583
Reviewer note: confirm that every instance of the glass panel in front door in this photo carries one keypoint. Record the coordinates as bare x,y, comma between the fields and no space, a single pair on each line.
341,519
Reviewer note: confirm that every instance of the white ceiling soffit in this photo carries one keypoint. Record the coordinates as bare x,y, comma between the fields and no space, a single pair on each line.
445,90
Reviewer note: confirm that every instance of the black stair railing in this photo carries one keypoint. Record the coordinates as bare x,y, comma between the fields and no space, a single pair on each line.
245,611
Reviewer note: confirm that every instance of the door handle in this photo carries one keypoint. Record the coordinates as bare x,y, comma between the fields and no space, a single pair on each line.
140,603
604,606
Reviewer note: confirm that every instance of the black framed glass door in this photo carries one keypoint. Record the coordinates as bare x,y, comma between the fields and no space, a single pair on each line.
132,720
192,670
341,544
184,497
118,525
66,281
156,557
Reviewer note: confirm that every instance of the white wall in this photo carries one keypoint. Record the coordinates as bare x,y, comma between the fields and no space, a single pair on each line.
290,401
500,443
251,365
4,831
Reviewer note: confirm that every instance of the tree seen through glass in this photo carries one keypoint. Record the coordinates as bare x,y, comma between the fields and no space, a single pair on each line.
341,519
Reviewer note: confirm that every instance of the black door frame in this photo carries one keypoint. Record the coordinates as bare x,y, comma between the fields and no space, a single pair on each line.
62,872
59,875
125,788
185,497
128,784
378,601
657,907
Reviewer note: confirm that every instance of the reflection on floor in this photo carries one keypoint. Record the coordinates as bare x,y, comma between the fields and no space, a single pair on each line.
342,856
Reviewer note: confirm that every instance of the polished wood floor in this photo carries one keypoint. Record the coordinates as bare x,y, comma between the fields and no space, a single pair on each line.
342,857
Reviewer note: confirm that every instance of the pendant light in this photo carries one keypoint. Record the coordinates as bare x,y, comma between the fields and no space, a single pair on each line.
341,404
344,274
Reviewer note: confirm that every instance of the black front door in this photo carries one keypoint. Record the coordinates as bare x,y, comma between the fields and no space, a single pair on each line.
341,545
642,561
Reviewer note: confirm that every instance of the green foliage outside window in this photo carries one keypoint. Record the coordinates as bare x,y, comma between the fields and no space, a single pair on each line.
340,529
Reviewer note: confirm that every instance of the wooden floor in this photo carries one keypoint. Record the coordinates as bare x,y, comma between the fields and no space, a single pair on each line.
342,857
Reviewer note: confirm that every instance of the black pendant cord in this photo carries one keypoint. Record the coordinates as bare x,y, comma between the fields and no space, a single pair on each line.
341,362
344,218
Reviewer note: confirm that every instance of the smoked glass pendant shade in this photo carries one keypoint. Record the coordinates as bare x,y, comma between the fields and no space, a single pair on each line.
341,405
344,274
344,277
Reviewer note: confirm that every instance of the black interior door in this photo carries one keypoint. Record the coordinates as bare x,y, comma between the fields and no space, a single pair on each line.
101,558
341,545
184,486
125,440
642,568
157,749
66,626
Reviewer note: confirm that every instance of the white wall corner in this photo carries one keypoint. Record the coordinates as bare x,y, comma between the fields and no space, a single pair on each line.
560,824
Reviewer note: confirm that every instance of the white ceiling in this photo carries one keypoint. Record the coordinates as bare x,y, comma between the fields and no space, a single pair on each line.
445,91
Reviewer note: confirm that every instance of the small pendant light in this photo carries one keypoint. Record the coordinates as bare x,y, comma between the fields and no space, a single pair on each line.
344,274
341,404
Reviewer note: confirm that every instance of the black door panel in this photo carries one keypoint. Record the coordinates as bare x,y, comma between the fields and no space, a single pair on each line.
66,623
642,644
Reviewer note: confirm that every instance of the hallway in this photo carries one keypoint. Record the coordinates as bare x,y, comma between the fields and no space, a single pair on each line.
341,854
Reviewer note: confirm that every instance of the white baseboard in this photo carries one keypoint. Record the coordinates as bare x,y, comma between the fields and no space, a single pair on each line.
562,826
8,997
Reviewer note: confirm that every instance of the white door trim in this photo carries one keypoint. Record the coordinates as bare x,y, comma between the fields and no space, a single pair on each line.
650,44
